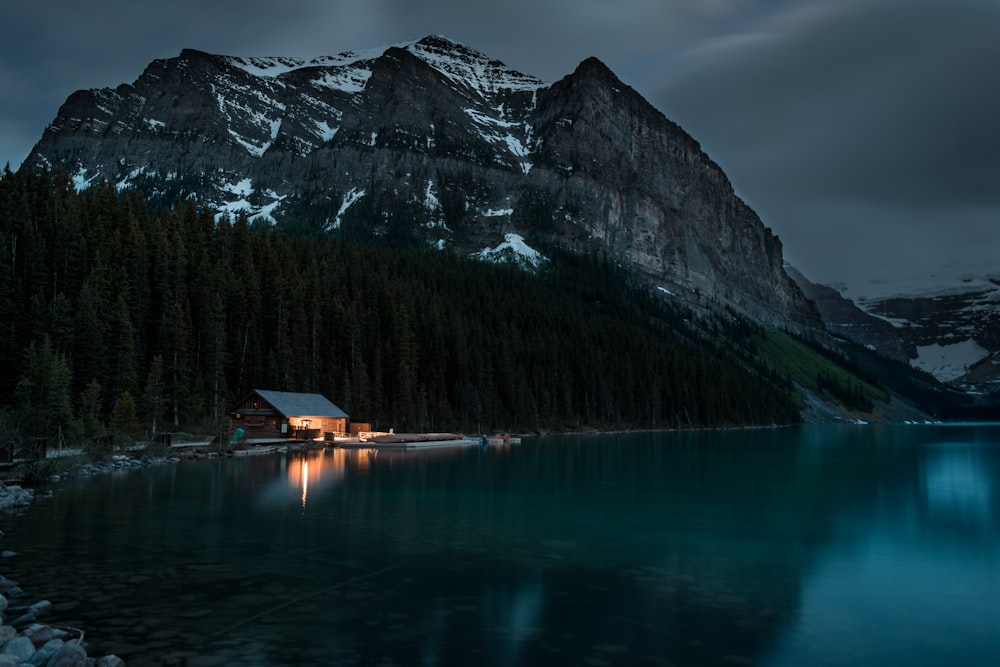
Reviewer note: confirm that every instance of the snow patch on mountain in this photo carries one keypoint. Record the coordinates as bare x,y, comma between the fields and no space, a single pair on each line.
243,188
469,68
498,212
949,362
513,250
349,71
325,132
431,202
127,181
344,79
503,134
266,213
269,67
350,198
941,281
80,180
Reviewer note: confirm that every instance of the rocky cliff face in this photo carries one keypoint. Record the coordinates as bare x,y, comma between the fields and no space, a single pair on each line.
845,319
437,142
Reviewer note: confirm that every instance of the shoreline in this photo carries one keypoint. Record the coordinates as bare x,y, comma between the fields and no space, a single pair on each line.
24,636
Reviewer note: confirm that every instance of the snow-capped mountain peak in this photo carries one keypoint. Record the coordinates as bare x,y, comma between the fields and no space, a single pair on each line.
435,141
472,68
456,61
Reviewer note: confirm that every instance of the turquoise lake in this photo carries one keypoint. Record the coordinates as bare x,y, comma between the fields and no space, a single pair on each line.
814,545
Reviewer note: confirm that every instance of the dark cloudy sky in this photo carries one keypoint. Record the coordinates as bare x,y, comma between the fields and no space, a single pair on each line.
866,133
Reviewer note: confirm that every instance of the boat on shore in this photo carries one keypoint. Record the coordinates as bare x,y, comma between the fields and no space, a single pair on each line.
394,440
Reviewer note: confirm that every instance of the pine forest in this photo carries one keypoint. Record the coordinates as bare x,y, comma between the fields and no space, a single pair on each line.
120,318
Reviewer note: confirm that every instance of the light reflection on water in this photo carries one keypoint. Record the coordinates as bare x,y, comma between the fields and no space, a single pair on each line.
318,469
855,545
957,486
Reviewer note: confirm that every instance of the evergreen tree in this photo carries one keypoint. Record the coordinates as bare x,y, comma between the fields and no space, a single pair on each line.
90,412
154,395
43,392
125,419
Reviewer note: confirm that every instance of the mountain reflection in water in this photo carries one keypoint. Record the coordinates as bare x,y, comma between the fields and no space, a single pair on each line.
815,545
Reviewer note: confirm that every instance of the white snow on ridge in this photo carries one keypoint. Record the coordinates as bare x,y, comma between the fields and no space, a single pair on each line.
345,79
948,362
498,212
127,181
515,250
255,148
501,133
324,131
466,66
243,188
232,100
233,208
454,60
266,66
276,66
352,196
80,180
267,212
943,281
431,202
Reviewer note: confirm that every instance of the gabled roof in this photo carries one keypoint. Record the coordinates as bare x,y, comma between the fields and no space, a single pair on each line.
292,404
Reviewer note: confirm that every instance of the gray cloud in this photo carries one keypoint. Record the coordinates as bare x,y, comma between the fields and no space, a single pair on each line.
61,46
870,124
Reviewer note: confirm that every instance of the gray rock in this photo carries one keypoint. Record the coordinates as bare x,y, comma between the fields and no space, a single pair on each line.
14,496
45,653
41,608
39,634
20,647
110,661
23,621
9,660
69,655
3,602
6,585
7,633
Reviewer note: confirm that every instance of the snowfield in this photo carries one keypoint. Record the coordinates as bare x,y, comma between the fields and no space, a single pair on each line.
949,362
513,250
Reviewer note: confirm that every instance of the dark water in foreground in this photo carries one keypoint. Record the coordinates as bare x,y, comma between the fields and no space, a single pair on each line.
812,546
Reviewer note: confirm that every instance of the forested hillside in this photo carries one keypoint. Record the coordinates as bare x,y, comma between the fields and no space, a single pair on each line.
116,317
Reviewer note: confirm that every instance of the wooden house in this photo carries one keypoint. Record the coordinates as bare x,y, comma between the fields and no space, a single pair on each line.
276,414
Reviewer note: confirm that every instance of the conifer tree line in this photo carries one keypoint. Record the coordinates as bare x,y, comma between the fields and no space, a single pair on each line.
116,318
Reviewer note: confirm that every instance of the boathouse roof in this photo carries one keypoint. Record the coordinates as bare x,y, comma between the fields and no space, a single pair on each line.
291,404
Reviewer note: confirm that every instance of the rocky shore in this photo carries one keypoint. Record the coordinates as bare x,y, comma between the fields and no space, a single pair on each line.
25,640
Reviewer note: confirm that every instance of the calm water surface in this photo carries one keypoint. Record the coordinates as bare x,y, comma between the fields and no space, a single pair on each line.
810,546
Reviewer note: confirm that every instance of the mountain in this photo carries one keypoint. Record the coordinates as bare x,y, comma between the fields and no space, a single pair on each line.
948,328
431,141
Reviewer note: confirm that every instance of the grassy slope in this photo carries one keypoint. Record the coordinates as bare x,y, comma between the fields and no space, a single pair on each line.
803,365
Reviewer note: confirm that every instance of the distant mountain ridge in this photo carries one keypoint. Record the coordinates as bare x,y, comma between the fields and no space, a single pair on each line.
432,141
951,331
